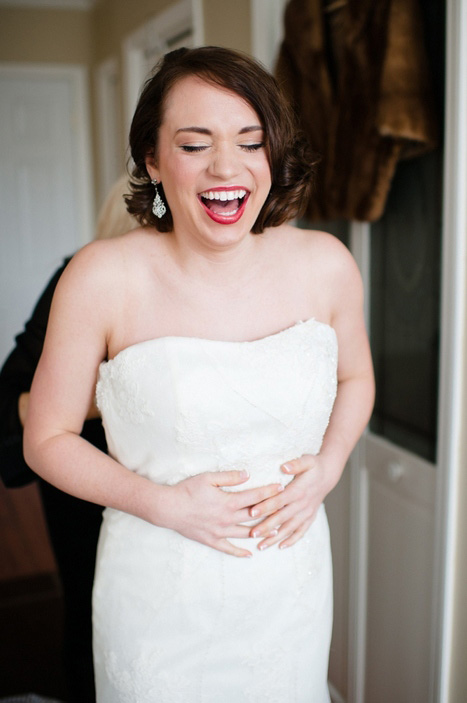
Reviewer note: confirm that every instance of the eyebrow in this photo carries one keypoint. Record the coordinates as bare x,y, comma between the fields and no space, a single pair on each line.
203,130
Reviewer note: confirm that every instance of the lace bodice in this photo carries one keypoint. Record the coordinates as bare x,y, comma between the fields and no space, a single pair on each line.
212,401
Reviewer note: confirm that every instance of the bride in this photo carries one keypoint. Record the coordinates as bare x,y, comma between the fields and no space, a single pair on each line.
233,377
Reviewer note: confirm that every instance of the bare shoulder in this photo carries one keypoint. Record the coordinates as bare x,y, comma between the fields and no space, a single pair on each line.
317,251
102,265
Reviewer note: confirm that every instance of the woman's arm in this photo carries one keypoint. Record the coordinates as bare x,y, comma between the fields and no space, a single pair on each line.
287,517
80,324
15,381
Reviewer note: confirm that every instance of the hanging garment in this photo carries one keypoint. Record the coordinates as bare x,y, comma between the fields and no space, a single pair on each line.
357,73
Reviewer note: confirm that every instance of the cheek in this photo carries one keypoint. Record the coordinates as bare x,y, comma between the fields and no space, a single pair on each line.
264,172
179,176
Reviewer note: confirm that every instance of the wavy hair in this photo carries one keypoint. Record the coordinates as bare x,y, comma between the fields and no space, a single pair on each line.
290,158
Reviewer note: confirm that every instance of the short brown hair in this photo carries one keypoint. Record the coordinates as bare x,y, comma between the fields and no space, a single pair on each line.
290,158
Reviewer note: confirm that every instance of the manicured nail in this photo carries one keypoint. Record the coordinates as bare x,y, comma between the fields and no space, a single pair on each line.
287,467
254,512
283,546
263,546
245,473
273,533
256,533
280,488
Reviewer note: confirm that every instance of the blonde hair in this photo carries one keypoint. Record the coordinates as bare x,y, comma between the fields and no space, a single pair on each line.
114,219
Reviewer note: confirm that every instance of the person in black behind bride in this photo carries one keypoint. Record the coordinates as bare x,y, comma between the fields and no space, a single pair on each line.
233,377
73,525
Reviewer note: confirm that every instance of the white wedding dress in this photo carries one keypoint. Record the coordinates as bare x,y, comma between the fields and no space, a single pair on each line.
176,621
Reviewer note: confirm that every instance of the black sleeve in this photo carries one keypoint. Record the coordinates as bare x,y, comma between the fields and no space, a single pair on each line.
16,378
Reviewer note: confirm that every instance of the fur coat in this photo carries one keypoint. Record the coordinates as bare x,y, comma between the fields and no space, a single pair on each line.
357,74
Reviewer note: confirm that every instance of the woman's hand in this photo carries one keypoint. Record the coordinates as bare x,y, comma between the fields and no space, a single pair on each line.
287,516
199,509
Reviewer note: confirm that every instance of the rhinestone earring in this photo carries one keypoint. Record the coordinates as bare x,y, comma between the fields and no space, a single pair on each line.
158,206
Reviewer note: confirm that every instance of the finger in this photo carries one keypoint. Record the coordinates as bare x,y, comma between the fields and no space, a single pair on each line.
296,535
245,499
281,533
228,478
276,521
239,531
285,533
269,527
271,505
298,466
223,545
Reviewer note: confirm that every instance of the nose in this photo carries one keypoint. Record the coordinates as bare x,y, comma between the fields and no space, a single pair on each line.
225,162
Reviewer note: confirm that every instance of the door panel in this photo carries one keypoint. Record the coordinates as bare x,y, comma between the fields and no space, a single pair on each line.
41,213
401,502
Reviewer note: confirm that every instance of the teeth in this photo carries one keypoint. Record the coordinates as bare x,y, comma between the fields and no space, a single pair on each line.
223,194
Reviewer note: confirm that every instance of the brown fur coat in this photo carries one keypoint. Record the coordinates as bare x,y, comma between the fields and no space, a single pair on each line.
357,74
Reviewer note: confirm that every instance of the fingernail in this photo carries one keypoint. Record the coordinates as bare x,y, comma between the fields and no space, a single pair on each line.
283,546
245,473
256,533
287,467
254,512
273,533
263,546
280,488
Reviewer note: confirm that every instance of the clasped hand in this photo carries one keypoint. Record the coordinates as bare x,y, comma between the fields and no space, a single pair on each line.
202,511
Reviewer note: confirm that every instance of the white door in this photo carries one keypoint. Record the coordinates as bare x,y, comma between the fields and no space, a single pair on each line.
45,187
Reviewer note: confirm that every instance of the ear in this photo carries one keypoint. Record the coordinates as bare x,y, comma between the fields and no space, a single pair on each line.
151,167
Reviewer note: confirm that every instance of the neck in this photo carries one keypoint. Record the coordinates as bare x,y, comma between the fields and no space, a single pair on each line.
221,265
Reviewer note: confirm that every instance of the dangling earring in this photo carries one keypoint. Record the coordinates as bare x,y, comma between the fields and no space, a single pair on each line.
158,206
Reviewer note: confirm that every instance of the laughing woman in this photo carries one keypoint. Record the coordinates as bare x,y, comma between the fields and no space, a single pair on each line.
233,377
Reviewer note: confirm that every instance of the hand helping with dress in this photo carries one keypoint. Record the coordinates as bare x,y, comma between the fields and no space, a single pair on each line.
286,517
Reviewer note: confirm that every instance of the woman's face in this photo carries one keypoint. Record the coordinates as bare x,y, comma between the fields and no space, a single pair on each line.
212,162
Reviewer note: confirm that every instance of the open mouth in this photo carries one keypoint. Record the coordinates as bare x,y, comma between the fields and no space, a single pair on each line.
224,203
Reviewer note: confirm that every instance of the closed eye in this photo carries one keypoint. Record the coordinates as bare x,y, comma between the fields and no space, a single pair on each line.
252,147
188,148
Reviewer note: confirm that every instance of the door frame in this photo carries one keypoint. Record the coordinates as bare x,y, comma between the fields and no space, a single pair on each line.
453,353
107,96
266,29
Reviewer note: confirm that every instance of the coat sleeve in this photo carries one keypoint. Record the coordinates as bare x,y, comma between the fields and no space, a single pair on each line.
16,378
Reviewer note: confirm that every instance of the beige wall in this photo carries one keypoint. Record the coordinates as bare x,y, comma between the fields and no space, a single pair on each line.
47,36
228,24
116,19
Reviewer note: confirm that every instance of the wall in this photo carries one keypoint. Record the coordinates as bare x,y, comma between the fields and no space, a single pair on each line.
228,24
113,20
48,36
